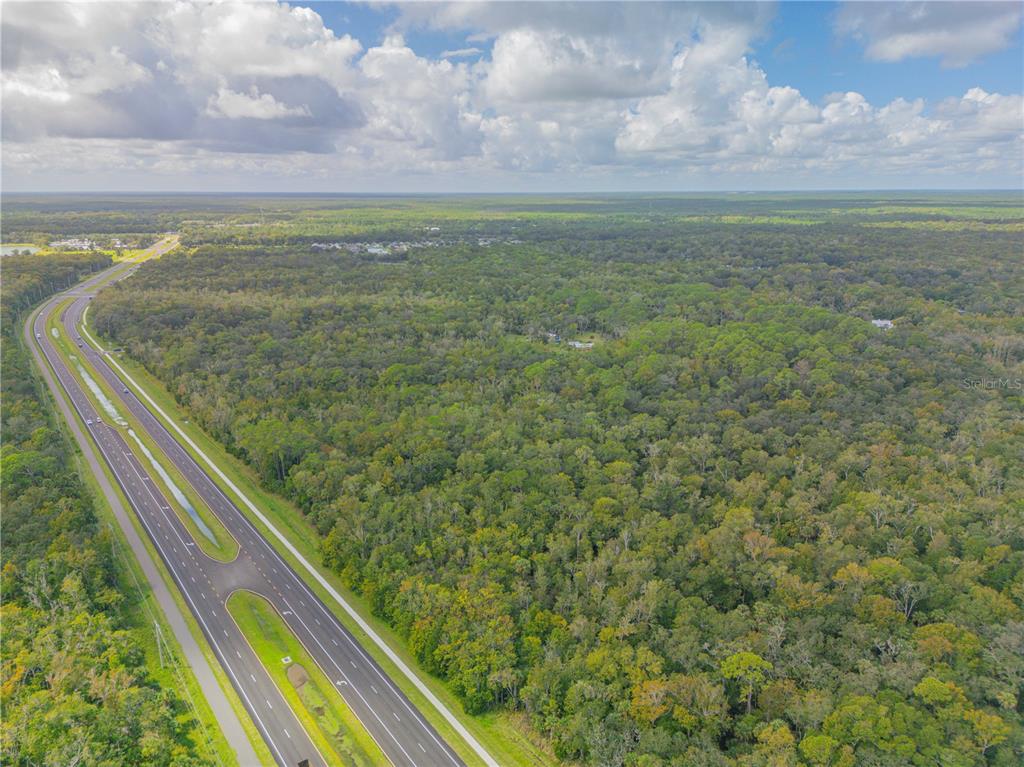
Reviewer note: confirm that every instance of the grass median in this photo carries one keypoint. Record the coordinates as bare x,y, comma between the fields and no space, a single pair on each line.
335,730
164,655
205,528
504,735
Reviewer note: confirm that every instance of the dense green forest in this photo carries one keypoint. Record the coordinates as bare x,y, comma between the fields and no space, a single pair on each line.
745,527
73,678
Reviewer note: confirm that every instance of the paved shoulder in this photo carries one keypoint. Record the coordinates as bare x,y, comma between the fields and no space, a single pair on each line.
225,714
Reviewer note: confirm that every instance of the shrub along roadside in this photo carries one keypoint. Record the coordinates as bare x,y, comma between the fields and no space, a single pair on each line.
74,680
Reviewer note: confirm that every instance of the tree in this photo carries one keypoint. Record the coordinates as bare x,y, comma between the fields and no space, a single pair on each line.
749,670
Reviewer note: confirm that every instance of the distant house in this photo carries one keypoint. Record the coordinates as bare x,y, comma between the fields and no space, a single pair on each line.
883,324
73,243
581,344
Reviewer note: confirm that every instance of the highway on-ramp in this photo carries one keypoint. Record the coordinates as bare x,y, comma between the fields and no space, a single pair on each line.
398,728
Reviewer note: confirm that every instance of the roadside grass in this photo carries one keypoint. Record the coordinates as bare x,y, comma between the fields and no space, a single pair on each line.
503,735
141,608
125,254
164,656
337,732
225,548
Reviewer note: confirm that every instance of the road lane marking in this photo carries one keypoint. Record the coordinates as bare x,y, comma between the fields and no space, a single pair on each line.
386,649
138,508
354,688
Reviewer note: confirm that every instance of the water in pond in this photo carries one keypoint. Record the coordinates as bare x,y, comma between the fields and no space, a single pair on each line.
17,250
111,410
97,392
179,496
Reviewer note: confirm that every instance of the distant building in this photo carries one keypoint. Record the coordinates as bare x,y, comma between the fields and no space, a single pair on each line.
883,324
73,243
581,344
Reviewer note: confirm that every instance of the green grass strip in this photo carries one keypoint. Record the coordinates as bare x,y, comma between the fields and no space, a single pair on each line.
508,739
217,749
338,734
224,547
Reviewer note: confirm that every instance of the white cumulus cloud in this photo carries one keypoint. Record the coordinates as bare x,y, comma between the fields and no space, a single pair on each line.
958,32
597,91
253,105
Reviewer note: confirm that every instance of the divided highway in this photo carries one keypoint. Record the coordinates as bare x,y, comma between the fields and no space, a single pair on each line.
399,729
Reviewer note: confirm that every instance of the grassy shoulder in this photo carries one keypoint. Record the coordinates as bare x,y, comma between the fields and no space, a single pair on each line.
331,724
210,722
262,752
503,735
143,614
216,542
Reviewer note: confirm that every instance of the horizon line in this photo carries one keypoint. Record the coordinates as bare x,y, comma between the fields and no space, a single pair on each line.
603,192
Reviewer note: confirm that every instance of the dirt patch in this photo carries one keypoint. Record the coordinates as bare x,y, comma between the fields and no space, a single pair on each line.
297,676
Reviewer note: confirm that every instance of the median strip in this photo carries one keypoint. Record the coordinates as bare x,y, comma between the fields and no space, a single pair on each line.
368,630
313,699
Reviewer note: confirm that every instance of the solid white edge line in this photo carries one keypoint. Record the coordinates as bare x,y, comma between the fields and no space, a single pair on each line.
170,567
366,628
81,324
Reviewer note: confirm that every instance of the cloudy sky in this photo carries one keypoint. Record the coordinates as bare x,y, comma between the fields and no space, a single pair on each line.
511,96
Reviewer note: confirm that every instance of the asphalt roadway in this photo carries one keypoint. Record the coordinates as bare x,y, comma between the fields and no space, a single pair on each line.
398,728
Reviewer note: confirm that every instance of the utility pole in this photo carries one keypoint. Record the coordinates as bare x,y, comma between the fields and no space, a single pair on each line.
159,642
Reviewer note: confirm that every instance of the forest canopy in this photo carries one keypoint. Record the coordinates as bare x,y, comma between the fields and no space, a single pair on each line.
643,468
75,683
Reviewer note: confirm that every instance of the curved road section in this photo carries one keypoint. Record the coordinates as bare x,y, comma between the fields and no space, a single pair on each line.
400,731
